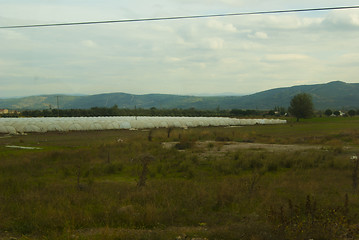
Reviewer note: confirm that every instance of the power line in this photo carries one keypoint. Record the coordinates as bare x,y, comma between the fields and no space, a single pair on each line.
179,17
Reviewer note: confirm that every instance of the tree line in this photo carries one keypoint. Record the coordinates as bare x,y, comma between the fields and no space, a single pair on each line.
116,111
350,113
301,106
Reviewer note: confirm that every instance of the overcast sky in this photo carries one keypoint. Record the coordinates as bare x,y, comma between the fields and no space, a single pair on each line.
240,54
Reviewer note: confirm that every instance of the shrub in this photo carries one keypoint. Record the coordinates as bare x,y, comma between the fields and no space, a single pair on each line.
222,139
184,144
272,166
307,220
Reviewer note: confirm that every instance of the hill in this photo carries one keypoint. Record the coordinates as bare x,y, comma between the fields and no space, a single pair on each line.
334,95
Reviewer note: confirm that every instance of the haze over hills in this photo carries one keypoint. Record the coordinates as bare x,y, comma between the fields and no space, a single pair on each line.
333,95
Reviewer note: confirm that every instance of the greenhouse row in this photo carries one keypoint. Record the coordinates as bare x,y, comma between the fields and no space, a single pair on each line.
27,125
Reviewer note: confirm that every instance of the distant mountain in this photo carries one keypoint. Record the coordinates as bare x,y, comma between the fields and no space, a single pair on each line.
333,95
37,102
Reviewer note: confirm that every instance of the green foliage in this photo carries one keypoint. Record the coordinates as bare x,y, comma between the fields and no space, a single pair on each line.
115,111
351,112
336,113
239,112
328,112
301,106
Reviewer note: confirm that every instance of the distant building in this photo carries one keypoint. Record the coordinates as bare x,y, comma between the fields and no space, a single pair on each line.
4,111
338,114
7,111
342,114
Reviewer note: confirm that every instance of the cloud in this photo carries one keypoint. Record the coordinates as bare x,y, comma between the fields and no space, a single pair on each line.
342,19
259,35
228,27
89,43
173,59
215,43
12,35
246,53
290,22
285,57
350,57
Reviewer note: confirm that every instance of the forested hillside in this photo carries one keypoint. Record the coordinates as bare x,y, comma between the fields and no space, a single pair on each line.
335,95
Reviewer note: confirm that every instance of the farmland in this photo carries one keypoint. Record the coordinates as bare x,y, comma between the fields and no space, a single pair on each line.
291,181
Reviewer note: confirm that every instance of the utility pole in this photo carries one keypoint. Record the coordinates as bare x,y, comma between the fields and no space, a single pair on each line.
135,113
58,109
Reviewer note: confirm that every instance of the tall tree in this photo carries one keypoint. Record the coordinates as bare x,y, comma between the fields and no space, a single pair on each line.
301,106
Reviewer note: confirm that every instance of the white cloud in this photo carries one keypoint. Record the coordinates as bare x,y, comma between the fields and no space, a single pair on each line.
89,43
215,43
12,35
228,27
289,22
350,57
259,35
285,57
173,59
343,19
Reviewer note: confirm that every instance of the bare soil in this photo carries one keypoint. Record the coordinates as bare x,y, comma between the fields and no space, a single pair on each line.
234,146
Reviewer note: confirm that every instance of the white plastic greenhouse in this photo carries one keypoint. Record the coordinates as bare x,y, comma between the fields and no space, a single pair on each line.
23,125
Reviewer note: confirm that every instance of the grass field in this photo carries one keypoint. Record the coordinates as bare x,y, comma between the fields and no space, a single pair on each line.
182,184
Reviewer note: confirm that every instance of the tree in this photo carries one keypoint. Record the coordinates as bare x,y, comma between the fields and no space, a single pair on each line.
271,113
301,106
336,113
351,112
328,112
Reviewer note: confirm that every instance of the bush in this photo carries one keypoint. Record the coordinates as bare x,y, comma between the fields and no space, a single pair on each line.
272,167
222,139
184,144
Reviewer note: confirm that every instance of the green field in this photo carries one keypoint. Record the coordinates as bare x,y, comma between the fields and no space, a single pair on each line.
204,183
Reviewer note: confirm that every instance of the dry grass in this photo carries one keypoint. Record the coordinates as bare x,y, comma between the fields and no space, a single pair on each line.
83,185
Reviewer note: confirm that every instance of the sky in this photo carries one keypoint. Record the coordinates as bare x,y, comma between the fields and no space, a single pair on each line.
236,55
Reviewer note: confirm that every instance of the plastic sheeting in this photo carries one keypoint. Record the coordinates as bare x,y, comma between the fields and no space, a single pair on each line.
23,125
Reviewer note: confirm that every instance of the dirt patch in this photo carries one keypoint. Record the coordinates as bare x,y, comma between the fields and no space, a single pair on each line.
169,145
234,146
